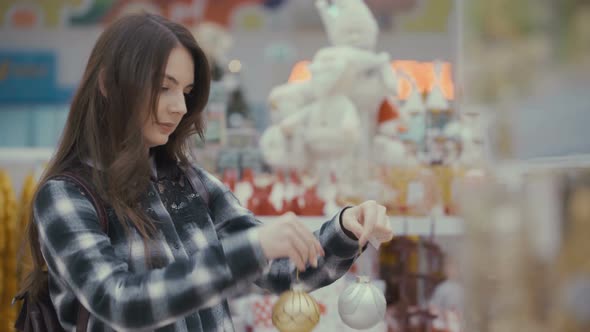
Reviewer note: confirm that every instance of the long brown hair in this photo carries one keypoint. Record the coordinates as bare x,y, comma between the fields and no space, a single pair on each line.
122,80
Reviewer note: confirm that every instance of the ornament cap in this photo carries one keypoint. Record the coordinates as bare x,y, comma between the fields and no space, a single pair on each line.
363,279
298,287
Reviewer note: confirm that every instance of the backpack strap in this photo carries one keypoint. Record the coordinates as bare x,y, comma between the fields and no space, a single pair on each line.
94,199
196,182
83,314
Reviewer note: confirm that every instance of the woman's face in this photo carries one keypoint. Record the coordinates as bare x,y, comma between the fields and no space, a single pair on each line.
178,81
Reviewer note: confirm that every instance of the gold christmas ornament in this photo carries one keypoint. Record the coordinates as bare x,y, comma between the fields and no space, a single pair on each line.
295,311
362,305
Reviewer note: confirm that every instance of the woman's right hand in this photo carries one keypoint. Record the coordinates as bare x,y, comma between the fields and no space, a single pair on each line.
289,238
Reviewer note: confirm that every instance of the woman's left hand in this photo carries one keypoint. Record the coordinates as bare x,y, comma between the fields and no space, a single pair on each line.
368,221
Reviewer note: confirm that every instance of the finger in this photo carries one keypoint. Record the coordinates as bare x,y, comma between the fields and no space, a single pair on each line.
369,218
311,239
294,257
295,254
319,247
350,221
301,248
356,228
382,230
310,242
287,217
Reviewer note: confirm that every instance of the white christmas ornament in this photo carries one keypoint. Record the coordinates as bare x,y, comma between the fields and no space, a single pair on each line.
362,305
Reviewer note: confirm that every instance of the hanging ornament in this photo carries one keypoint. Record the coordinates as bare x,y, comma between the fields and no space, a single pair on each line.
295,311
362,305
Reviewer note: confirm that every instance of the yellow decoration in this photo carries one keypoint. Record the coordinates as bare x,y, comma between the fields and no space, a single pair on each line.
573,266
449,181
25,265
8,221
295,311
2,242
415,188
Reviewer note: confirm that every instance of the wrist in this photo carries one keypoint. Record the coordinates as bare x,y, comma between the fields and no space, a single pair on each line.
343,226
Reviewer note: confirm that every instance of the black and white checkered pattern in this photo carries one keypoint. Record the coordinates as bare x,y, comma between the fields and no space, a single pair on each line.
197,260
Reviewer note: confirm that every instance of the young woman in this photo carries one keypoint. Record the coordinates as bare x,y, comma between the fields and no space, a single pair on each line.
170,258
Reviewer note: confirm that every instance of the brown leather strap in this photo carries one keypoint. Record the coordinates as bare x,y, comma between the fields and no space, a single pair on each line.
83,314
82,320
197,183
95,200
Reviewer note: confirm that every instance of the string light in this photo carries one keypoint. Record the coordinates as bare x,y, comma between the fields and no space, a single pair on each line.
235,66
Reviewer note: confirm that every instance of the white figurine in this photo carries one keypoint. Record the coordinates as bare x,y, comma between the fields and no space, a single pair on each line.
414,104
349,23
335,115
282,150
287,99
389,151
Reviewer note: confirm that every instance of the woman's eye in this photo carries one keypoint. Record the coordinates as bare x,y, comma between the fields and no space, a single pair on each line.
164,89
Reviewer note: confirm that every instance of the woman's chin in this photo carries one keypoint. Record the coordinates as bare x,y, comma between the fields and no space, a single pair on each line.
160,140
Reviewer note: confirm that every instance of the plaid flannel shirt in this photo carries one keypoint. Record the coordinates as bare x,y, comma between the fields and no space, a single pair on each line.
201,256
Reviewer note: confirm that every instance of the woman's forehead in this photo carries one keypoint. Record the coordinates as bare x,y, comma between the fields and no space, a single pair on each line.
180,68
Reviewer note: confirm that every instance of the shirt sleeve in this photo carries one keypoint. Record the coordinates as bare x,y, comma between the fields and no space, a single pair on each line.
80,254
231,218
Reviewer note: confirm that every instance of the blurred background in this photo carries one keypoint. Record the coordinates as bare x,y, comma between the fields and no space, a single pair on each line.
470,123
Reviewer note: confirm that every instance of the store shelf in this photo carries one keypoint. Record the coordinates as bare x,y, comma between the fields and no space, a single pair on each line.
25,155
443,226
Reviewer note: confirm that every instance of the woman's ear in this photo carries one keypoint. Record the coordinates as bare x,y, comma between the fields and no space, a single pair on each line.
101,83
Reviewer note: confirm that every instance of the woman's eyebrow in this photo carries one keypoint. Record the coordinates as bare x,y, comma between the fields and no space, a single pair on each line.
175,81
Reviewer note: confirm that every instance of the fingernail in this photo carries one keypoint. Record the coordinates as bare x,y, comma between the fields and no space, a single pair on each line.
314,263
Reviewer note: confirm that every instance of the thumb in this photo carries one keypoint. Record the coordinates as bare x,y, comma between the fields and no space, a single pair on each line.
351,224
364,236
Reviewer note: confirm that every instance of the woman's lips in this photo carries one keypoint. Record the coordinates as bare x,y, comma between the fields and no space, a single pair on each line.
167,128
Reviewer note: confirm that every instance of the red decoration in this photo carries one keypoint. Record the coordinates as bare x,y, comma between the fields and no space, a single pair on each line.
221,11
229,178
310,203
259,203
262,308
387,112
287,201
248,175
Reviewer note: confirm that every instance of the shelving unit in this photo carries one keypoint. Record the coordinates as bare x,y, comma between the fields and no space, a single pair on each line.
443,226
